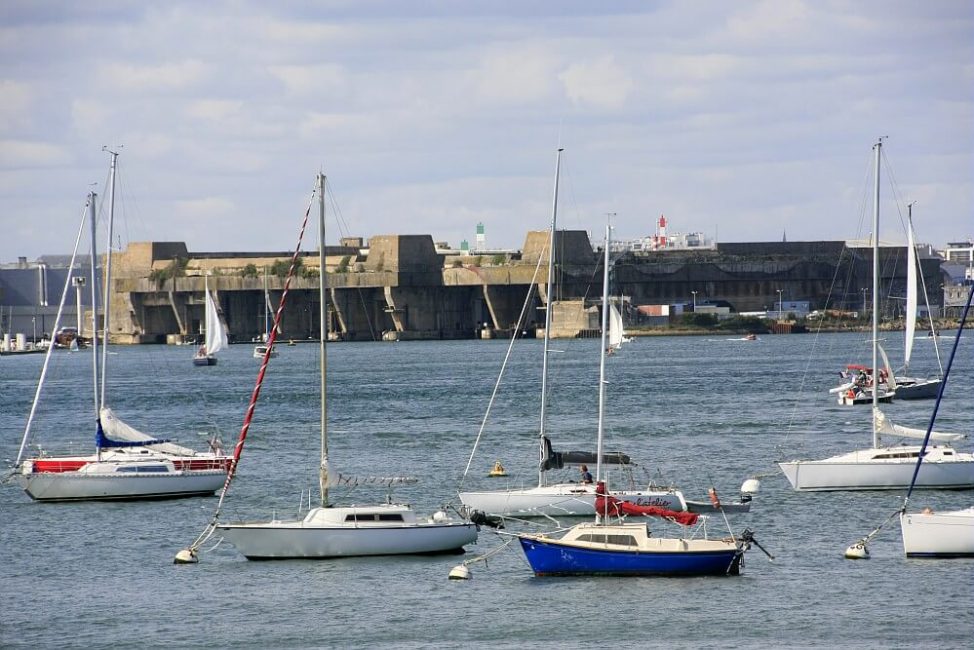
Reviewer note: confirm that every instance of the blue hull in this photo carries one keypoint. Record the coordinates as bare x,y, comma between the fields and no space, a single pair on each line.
549,558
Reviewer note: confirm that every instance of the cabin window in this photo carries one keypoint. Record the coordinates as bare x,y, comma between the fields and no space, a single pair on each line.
144,469
390,517
618,540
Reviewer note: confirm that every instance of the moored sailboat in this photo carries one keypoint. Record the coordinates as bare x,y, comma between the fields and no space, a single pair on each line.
946,534
613,546
567,498
330,531
127,464
881,467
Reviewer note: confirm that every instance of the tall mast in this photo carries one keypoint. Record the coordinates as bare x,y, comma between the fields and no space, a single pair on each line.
605,329
107,291
547,315
323,335
92,197
878,148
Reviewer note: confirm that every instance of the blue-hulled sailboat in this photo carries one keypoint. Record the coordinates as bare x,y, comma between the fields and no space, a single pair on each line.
629,549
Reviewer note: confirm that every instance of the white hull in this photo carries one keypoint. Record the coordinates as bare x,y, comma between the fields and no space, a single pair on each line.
565,499
938,534
887,468
81,486
325,533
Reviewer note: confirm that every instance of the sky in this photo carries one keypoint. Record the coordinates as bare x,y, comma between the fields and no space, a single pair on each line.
745,120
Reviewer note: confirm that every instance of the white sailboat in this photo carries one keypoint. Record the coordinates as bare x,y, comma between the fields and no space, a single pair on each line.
127,464
947,534
331,531
262,348
904,386
882,467
215,334
559,499
617,332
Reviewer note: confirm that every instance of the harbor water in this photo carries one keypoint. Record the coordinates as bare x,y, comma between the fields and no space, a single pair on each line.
691,411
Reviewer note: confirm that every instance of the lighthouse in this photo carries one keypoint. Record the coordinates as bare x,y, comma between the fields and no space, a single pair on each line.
661,232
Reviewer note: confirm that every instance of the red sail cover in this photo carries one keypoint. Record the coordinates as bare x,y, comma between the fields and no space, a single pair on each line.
607,505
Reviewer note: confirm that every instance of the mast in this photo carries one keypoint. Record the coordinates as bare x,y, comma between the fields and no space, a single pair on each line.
207,336
107,290
878,148
547,314
266,308
322,349
94,314
89,204
605,327
911,290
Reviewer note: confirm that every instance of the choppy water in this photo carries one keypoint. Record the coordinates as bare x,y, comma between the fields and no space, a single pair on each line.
692,410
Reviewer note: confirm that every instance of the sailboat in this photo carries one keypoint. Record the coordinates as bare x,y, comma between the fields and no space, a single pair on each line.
620,548
127,464
946,534
215,334
904,386
262,348
560,499
617,332
329,531
882,467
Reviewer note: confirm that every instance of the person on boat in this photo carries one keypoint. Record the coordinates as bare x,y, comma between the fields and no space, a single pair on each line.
586,475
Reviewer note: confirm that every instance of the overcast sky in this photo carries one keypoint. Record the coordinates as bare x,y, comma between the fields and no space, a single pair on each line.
748,120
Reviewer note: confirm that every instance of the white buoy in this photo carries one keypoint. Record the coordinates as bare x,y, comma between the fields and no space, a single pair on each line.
186,556
460,572
857,551
750,486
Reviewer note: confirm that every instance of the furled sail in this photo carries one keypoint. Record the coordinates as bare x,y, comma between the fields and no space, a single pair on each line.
114,431
885,427
551,459
607,505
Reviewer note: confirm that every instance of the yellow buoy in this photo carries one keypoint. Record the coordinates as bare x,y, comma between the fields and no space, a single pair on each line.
497,470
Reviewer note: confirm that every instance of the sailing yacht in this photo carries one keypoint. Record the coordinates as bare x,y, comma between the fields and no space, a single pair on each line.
942,534
562,499
329,531
622,548
215,334
127,464
904,386
262,348
882,467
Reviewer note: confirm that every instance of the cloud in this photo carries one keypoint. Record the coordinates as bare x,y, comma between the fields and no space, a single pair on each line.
600,83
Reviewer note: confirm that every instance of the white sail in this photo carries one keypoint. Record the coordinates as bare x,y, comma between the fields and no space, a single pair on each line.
616,332
116,429
911,296
216,336
885,427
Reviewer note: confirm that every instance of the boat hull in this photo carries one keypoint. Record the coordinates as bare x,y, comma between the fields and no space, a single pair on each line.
862,470
919,389
938,534
204,361
77,486
553,558
294,540
567,499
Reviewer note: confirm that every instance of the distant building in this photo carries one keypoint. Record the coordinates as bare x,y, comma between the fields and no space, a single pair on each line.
962,251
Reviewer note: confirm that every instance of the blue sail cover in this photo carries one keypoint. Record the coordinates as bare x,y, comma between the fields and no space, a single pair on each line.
103,441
